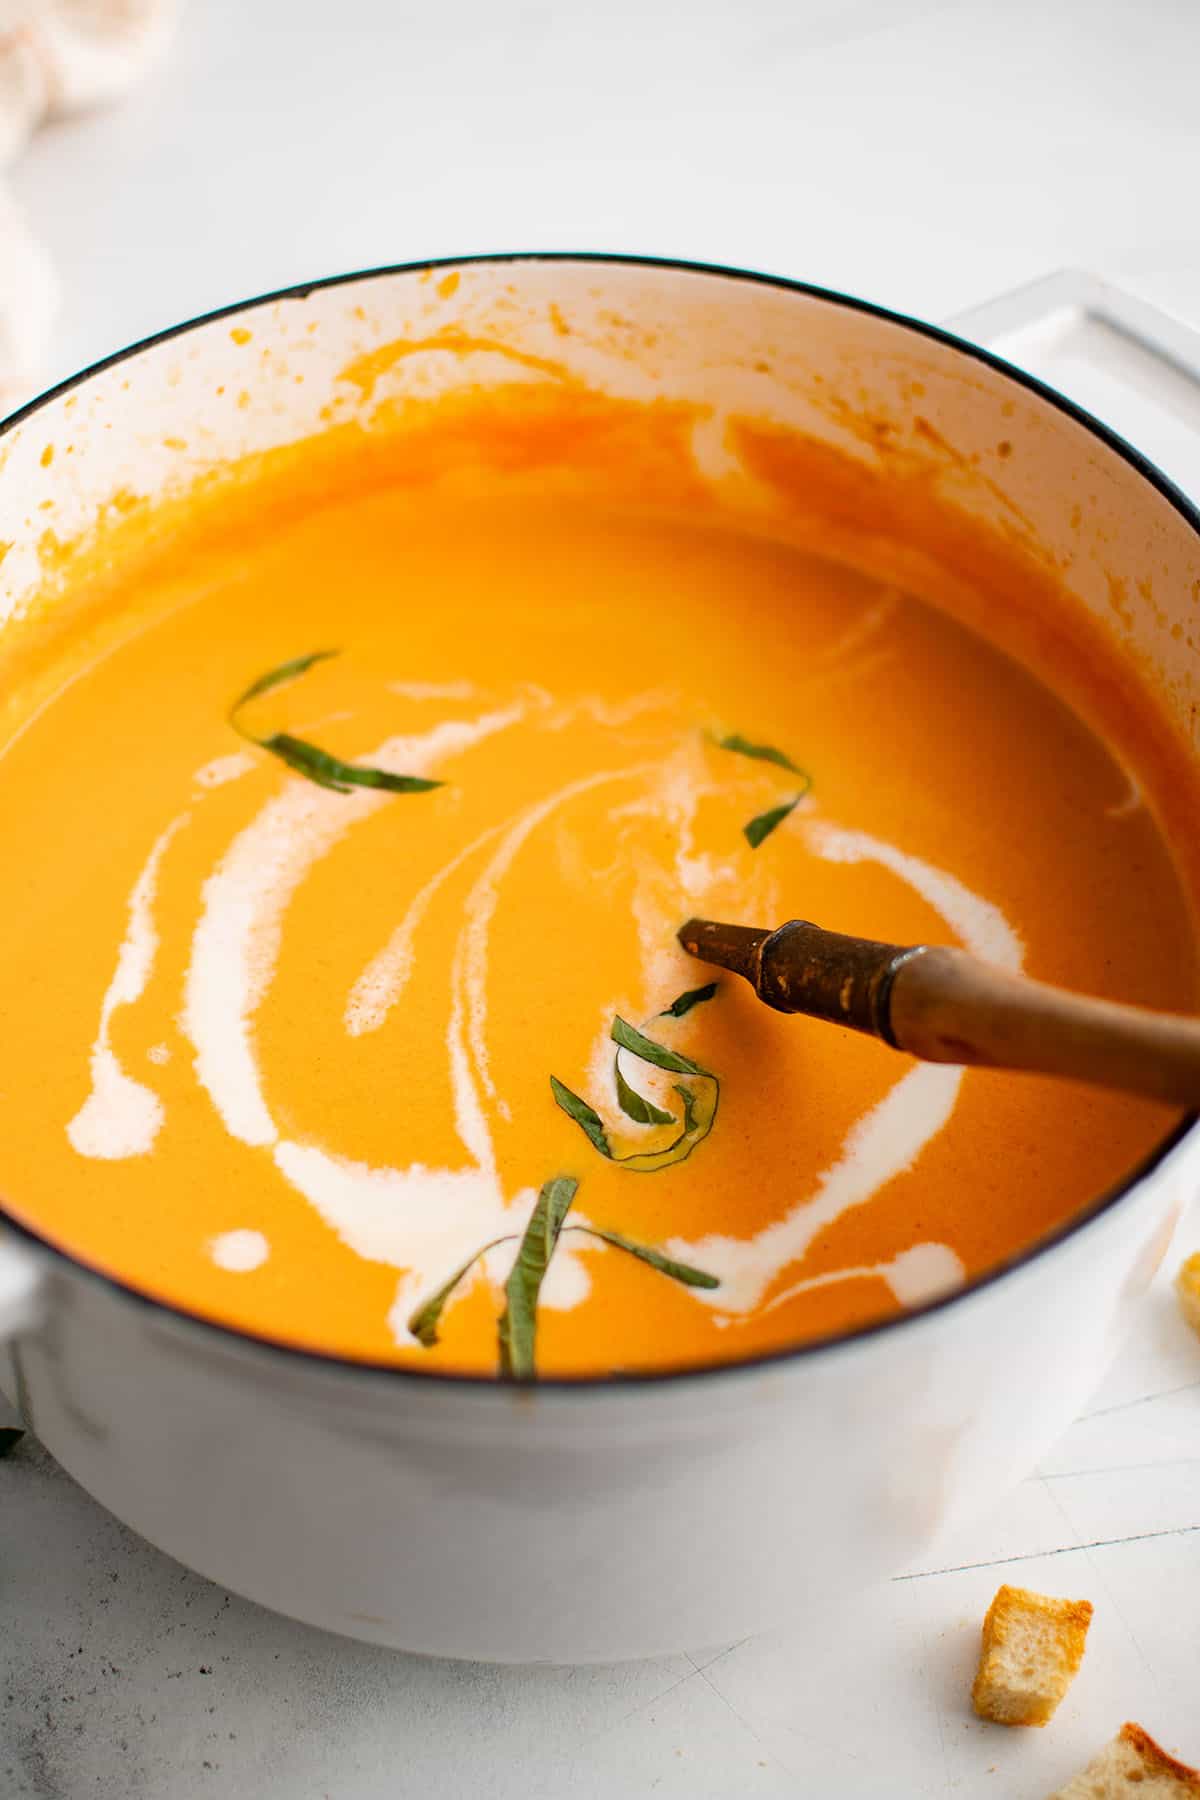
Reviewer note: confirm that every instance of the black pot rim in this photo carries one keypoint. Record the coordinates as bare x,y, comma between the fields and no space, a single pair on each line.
672,1376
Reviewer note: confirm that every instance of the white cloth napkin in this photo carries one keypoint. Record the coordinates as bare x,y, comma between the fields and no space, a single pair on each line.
56,57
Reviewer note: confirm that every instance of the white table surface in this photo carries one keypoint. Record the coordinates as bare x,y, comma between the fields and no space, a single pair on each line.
929,155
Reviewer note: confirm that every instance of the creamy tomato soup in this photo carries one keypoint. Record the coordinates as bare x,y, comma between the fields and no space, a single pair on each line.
284,983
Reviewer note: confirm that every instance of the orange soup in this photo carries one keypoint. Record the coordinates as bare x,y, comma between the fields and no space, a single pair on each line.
346,840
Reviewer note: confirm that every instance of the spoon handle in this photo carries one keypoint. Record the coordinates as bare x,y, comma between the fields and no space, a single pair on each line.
946,1006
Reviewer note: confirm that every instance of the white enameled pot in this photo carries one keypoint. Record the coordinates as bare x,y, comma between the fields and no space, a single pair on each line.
618,1517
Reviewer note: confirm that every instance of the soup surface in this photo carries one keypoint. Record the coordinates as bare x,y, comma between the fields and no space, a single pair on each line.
277,1047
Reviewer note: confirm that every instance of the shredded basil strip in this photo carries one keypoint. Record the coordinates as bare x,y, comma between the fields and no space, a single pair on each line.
287,671
635,1106
584,1115
10,1437
517,1334
329,771
518,1325
428,1316
684,1003
628,1037
761,752
666,1265
699,1104
306,759
763,824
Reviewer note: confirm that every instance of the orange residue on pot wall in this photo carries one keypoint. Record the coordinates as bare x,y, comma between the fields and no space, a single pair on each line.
366,371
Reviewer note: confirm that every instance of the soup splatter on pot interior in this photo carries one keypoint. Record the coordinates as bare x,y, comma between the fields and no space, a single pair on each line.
347,830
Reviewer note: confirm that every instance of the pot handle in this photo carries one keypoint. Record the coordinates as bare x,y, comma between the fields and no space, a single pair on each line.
22,1285
1119,357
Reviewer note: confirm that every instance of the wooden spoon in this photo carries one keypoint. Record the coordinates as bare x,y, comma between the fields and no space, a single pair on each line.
948,1007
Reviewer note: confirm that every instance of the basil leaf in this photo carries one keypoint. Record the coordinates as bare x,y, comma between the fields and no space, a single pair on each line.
518,1325
329,771
683,1003
582,1113
666,1265
306,759
763,824
428,1316
630,1038
10,1437
699,1111
761,752
636,1107
699,1105
287,671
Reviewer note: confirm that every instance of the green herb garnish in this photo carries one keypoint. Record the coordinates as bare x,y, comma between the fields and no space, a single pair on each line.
425,1320
684,1003
517,1331
306,759
761,752
699,1103
518,1326
286,672
764,823
666,1265
636,1107
10,1437
584,1115
628,1037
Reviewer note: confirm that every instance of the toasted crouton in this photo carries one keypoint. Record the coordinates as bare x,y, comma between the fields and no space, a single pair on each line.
1187,1286
1032,1646
1133,1765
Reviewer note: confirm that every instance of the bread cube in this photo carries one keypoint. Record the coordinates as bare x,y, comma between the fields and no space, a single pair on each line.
1187,1286
1133,1767
1032,1647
